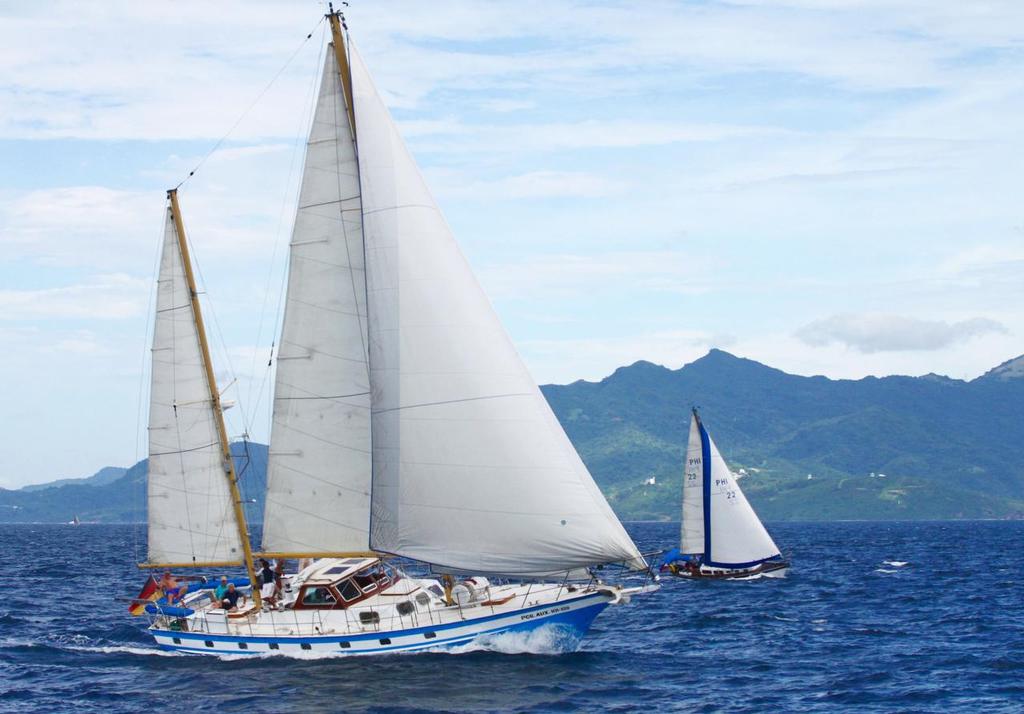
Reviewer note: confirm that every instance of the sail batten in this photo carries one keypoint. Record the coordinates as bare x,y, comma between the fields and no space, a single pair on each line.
191,518
318,473
471,469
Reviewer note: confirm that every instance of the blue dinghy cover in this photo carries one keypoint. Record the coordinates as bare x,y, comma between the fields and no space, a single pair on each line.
672,556
211,583
169,610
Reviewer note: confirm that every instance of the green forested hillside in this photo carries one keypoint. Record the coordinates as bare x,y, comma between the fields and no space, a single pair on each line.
812,448
938,448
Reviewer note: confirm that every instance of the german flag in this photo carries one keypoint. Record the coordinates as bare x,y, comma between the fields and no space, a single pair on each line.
150,592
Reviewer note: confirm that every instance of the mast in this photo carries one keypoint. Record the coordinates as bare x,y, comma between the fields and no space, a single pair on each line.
319,468
337,21
229,462
705,463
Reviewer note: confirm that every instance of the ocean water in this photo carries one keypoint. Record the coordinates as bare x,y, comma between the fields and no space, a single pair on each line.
872,617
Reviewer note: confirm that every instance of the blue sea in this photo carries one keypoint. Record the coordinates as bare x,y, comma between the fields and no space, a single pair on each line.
872,617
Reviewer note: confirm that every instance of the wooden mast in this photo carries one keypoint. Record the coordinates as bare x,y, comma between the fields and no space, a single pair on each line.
344,70
229,462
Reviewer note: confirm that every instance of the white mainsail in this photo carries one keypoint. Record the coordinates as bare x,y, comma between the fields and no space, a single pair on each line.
318,475
692,536
731,533
471,469
191,517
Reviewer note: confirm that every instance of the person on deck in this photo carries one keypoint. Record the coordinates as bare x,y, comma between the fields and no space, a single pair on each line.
278,580
231,597
267,582
172,591
220,590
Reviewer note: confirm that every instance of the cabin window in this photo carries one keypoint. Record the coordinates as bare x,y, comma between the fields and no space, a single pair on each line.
275,646
429,635
370,578
350,591
345,645
177,640
306,646
405,607
385,640
208,643
436,589
318,597
423,599
371,617
243,646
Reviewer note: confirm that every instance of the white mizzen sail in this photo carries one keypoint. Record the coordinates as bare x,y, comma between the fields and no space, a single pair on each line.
734,536
191,517
471,470
318,477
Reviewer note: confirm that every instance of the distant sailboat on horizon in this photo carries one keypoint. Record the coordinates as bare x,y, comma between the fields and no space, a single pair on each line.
721,535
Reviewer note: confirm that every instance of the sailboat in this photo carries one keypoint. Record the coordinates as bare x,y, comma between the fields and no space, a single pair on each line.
407,435
721,535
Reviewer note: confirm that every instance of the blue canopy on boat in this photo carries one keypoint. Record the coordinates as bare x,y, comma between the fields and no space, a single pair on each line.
675,555
169,610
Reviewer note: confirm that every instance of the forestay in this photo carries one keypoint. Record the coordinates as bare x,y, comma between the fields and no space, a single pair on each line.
318,480
471,470
191,518
734,535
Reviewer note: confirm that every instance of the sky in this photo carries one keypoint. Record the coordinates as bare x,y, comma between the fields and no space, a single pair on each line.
825,186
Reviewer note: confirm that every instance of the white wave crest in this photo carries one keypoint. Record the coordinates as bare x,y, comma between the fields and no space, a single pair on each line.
120,649
885,570
549,639
896,563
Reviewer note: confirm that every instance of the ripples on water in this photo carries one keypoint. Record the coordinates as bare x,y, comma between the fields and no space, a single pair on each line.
892,616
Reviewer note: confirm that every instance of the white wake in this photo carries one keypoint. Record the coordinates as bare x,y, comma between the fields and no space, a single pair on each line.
550,639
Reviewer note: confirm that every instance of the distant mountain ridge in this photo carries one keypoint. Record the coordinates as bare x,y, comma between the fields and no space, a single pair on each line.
810,448
107,474
938,447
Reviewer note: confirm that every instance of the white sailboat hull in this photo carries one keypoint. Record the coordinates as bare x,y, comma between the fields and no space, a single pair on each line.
566,617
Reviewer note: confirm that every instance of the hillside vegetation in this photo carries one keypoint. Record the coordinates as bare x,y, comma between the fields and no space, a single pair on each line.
811,448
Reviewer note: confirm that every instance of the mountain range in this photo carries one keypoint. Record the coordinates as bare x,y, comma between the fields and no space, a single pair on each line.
806,448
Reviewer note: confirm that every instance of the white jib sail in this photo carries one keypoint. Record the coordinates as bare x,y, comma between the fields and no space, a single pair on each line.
318,479
191,518
737,535
692,536
471,469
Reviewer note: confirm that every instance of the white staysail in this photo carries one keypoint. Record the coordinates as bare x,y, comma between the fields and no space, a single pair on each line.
471,469
318,478
734,536
692,536
191,516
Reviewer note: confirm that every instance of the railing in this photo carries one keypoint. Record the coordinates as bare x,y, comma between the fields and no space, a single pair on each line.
347,621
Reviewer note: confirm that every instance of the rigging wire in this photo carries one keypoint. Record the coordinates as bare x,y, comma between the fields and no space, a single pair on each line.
250,107
302,132
146,340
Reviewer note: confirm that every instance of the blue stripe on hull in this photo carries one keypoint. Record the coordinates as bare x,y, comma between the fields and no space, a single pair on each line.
568,627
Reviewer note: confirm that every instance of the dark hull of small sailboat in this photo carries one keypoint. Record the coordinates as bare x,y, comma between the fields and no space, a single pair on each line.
774,568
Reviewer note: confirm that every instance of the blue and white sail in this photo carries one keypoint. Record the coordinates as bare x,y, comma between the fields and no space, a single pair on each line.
719,524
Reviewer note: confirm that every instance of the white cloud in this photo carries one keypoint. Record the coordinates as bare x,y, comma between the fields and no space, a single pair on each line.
106,297
572,275
535,184
894,333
